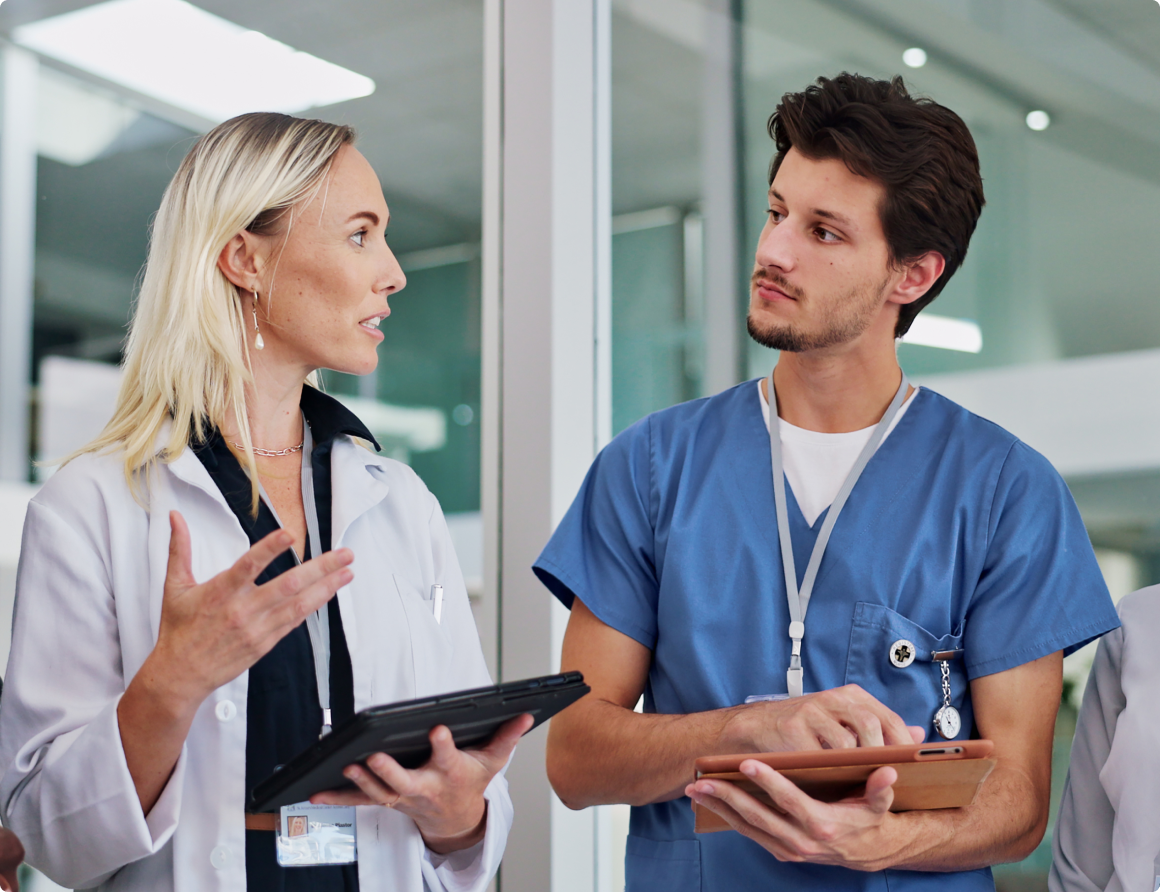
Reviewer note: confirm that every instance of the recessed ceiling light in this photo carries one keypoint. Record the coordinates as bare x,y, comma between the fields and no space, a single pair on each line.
915,57
185,57
929,330
1038,120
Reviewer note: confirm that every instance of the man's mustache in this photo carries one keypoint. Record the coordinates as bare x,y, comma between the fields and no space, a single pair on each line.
763,277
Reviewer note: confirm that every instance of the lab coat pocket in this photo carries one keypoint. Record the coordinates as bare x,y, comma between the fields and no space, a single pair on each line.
672,865
913,690
431,648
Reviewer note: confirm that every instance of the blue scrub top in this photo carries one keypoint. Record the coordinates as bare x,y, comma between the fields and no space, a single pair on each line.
957,535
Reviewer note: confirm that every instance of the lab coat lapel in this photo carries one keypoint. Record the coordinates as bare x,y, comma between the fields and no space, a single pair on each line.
356,486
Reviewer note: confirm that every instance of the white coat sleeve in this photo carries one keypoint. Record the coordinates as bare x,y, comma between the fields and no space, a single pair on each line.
66,788
1082,845
472,869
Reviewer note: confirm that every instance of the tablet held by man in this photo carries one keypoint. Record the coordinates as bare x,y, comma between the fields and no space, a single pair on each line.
827,557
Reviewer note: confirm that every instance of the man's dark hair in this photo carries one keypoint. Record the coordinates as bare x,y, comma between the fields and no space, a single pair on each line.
921,151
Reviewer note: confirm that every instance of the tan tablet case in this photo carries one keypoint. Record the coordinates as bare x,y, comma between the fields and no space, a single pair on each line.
951,783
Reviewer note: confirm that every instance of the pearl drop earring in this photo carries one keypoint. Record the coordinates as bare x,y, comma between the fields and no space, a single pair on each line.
258,342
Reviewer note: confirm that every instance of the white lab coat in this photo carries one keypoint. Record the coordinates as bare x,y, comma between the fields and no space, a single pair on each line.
88,605
1107,835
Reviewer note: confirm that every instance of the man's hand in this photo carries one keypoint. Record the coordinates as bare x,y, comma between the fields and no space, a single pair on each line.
1015,709
852,833
836,719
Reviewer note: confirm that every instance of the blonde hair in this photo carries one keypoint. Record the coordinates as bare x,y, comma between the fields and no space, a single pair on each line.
187,357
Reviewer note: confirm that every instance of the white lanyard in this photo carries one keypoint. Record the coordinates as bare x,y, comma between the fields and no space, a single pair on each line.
799,601
318,623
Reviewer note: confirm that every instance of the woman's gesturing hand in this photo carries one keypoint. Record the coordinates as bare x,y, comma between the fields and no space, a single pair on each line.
210,633
213,631
444,797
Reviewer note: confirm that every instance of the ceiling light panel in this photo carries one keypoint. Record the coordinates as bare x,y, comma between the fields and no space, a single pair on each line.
75,123
183,56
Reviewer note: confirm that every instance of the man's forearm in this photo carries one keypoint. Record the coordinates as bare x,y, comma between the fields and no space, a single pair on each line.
1005,823
600,752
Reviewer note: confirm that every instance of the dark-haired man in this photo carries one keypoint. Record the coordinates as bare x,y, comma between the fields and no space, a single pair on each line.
957,574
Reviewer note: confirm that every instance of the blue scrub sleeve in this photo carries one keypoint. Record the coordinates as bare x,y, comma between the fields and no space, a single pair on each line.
1041,589
603,550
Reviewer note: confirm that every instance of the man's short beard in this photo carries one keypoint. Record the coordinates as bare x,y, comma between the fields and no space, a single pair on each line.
842,330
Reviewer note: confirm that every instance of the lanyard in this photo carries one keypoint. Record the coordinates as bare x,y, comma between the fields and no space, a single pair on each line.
799,600
318,623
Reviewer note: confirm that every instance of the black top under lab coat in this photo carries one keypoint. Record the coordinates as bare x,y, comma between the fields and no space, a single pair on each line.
283,716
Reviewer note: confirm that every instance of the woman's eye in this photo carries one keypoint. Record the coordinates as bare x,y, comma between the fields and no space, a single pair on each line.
775,215
360,237
826,236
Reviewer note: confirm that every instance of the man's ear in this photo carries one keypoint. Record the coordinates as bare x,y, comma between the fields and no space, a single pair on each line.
241,261
920,276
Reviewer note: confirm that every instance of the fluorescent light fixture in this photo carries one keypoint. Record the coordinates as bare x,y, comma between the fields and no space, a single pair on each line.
75,123
944,332
185,57
1038,120
915,57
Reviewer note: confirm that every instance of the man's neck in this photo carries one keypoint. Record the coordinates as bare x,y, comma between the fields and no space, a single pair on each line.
836,390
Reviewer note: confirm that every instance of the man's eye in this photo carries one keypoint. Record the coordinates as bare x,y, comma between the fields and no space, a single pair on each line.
775,215
826,236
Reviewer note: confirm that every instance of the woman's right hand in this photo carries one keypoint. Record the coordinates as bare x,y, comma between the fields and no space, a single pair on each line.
210,633
213,631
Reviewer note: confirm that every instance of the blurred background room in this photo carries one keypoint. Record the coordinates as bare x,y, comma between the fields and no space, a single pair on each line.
576,189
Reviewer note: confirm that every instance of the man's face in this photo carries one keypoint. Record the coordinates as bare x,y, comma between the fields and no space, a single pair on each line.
822,275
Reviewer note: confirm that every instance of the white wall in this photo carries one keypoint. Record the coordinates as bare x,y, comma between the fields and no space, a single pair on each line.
1090,416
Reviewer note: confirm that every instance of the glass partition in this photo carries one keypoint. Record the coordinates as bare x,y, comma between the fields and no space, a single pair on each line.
107,151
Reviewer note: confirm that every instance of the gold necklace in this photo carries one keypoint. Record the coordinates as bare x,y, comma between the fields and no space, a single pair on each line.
272,453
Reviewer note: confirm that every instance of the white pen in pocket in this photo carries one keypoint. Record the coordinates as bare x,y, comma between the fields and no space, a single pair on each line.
437,602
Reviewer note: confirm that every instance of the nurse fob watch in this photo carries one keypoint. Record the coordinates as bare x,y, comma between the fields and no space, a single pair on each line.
947,720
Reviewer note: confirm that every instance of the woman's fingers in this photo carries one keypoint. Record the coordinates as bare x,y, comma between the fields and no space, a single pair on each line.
495,755
180,568
443,750
293,607
370,782
250,565
306,575
342,797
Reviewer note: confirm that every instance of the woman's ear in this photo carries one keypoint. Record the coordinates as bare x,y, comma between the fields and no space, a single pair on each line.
241,261
919,278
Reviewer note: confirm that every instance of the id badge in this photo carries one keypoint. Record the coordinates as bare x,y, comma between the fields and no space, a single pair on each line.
309,835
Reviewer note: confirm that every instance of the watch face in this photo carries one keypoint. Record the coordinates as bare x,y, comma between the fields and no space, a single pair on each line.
947,722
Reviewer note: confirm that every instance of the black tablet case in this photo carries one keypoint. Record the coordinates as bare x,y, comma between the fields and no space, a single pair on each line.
401,729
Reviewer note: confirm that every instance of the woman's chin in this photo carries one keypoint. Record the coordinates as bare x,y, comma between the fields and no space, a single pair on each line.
358,369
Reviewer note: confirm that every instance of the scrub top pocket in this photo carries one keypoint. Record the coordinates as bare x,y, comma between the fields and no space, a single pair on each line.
913,691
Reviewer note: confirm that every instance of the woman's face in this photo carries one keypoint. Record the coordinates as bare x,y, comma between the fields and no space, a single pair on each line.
323,287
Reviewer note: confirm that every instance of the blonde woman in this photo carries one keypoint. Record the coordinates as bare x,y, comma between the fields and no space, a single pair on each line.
175,636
